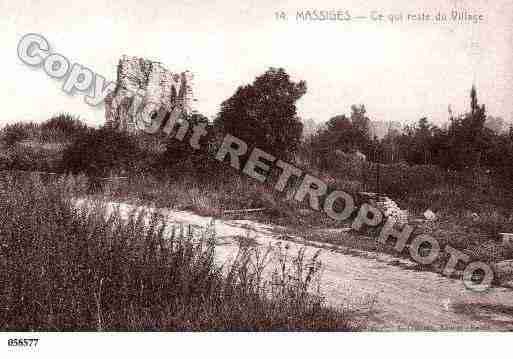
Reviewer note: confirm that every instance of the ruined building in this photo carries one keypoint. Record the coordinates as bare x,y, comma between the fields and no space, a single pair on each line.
146,91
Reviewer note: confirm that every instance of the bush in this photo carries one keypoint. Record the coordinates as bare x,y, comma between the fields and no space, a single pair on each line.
179,158
62,127
103,152
17,132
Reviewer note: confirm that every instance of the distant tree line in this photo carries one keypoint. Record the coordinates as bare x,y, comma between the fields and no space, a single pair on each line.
464,144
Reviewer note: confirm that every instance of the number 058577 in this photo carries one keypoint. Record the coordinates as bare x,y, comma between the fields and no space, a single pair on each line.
22,342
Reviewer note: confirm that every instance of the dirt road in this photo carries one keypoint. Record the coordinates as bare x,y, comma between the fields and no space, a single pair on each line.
401,298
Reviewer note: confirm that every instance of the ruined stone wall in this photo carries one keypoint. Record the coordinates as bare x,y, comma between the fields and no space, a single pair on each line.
146,89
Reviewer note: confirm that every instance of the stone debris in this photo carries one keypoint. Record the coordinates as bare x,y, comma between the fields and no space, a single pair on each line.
390,209
387,206
429,215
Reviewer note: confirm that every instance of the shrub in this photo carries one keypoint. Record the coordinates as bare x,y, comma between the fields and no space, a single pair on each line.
102,152
17,132
180,158
62,127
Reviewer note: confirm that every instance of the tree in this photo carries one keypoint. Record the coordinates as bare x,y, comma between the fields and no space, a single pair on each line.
342,133
346,134
423,139
467,136
263,114
360,127
390,145
180,156
338,134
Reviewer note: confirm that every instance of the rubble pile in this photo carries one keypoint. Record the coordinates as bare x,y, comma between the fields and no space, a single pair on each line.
387,206
390,209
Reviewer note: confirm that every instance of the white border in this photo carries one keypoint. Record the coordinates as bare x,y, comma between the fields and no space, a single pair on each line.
147,345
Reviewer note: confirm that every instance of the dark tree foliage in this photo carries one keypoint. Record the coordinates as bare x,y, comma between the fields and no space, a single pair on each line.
361,128
64,125
467,136
347,134
180,156
99,153
16,132
462,145
337,135
466,143
263,114
60,128
417,142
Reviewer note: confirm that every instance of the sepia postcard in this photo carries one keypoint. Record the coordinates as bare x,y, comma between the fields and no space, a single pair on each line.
172,172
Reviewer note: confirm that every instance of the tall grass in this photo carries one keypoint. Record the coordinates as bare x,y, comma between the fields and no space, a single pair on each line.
213,196
62,127
66,268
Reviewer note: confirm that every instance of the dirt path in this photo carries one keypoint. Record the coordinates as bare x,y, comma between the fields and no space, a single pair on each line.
401,298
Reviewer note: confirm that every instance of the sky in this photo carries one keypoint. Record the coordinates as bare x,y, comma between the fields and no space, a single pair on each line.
400,71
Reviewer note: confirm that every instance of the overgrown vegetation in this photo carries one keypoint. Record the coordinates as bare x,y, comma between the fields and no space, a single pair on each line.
462,171
39,147
263,114
63,127
66,268
464,143
103,152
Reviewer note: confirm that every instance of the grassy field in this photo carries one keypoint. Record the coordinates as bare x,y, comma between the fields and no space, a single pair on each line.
455,206
462,211
472,207
63,268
